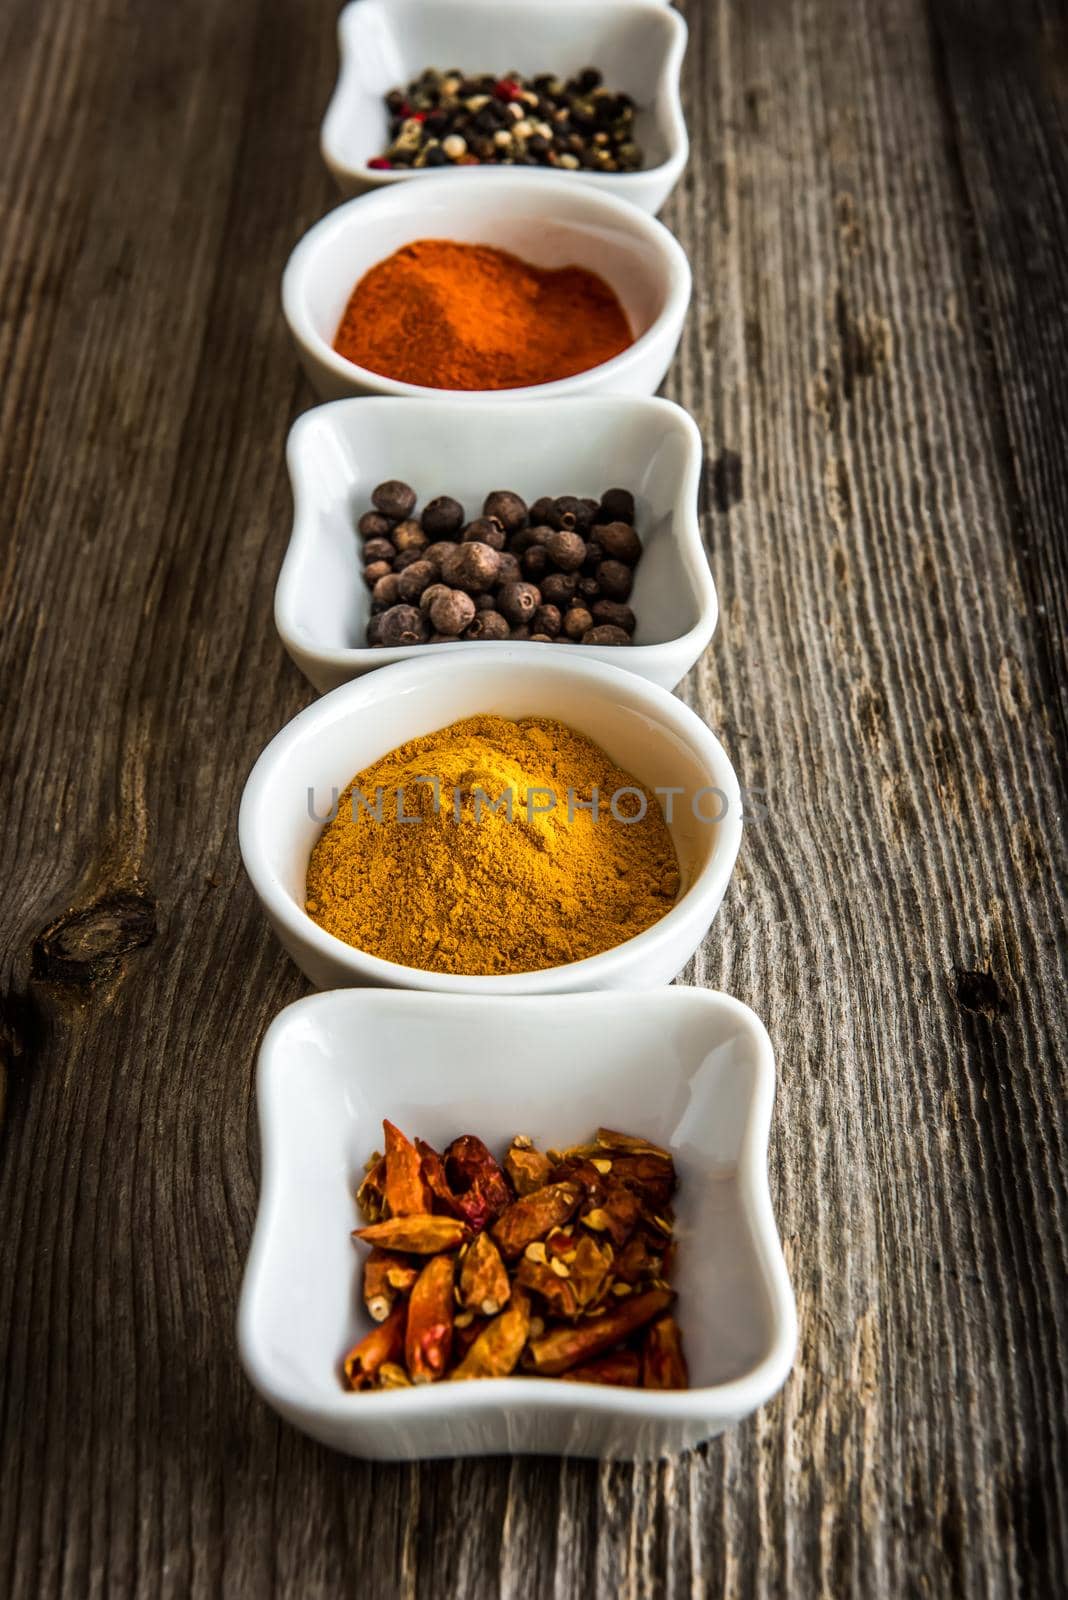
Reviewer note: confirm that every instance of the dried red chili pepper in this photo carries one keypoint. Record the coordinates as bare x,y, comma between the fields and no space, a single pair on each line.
480,1189
621,1368
498,1347
562,1348
663,1363
428,1337
531,1217
421,1236
382,1344
484,1286
526,1167
385,1277
407,1192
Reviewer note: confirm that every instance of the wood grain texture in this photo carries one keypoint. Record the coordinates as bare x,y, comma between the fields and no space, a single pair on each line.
876,215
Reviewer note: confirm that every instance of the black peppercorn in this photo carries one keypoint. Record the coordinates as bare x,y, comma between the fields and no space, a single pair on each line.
547,620
518,602
619,542
378,549
452,612
615,579
535,562
558,589
577,621
394,499
442,517
606,635
617,505
414,579
403,625
485,530
566,549
614,614
509,510
375,570
409,536
471,566
488,625
373,525
386,591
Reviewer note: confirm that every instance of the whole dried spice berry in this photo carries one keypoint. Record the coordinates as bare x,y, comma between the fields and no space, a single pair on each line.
614,614
498,1347
394,499
383,1343
532,1216
488,625
419,1236
622,1368
408,535
386,1276
562,1348
415,579
386,591
566,549
403,624
604,634
452,612
547,621
615,579
373,525
428,1334
518,602
484,1285
471,566
485,530
407,1192
508,509
442,517
376,570
619,542
558,589
663,1363
577,623
379,550
617,505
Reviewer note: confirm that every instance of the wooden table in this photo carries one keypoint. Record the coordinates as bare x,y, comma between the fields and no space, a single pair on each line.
876,353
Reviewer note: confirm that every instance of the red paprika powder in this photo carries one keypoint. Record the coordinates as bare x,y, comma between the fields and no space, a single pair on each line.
468,316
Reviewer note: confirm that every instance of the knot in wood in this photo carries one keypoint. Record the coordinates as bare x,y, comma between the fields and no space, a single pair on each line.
85,945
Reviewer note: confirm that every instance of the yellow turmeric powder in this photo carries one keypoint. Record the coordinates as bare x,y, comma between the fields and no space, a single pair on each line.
505,867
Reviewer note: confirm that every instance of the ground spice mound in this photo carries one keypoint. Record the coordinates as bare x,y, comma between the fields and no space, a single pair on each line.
467,316
491,895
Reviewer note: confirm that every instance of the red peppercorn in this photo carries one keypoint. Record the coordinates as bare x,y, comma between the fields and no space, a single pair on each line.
380,164
507,89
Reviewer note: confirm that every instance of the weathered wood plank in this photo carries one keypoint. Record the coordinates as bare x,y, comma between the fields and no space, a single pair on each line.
877,228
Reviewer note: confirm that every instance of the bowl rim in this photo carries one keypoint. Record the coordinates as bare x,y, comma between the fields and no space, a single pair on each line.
685,516
255,813
673,266
667,95
724,1401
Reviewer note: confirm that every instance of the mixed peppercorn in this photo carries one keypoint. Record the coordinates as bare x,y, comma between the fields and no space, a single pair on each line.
448,119
559,571
551,1265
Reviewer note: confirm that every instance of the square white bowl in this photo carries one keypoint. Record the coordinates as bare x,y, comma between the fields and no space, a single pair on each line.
337,453
692,1070
637,44
643,729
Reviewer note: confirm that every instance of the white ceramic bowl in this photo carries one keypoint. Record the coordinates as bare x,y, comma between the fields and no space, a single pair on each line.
645,730
546,221
338,453
385,44
692,1070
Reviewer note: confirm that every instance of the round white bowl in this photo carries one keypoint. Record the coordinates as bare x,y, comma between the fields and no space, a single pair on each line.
544,220
638,45
645,730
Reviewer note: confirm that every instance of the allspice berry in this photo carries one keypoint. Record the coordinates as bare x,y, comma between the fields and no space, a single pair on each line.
518,602
619,542
617,505
509,570
614,614
471,566
566,549
414,579
452,612
558,589
373,525
437,551
394,499
547,620
509,510
577,622
402,625
541,510
615,579
606,635
409,536
485,530
569,512
375,570
386,591
442,517
432,593
379,550
485,601
488,625
535,562
520,542
374,629
405,559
